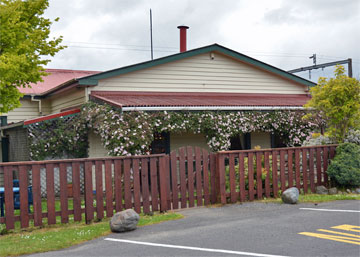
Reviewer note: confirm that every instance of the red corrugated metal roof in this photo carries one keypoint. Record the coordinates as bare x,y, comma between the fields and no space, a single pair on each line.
56,78
146,99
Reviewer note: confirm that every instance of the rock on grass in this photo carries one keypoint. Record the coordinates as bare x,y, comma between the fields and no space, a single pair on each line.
124,221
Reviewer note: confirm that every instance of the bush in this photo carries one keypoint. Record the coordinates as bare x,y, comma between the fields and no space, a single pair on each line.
318,140
344,169
353,137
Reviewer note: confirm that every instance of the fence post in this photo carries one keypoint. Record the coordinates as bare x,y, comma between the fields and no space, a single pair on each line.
220,178
24,209
89,207
163,184
36,187
213,179
9,197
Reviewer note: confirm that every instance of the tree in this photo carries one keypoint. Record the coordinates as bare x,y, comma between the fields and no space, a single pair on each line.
24,47
337,100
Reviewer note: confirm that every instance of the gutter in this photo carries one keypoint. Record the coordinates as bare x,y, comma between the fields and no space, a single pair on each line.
212,108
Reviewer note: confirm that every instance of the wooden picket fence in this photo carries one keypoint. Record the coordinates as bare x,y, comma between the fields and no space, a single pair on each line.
246,175
111,183
185,178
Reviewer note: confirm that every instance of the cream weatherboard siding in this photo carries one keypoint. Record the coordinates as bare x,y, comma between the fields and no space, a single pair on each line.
96,148
187,139
261,139
72,98
202,74
28,110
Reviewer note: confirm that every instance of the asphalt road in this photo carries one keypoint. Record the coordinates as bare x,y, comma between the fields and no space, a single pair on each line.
249,229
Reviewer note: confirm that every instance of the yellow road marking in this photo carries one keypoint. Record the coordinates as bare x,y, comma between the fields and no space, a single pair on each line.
339,233
347,227
331,237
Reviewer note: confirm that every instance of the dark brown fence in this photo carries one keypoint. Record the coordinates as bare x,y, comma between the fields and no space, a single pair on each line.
192,178
187,177
110,184
250,174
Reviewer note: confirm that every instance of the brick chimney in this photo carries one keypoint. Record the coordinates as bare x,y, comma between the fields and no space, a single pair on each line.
182,37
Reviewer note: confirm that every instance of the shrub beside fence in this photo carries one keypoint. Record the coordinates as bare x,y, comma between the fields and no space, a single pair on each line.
187,177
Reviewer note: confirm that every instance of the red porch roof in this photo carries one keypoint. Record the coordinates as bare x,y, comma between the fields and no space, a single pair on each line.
51,116
152,99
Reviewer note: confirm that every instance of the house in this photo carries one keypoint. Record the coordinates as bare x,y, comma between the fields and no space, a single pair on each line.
209,78
55,94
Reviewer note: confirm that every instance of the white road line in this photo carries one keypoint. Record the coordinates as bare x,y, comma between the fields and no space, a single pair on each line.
315,209
192,248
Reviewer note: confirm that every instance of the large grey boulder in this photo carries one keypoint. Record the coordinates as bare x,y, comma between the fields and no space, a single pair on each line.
357,190
124,221
290,196
333,191
321,190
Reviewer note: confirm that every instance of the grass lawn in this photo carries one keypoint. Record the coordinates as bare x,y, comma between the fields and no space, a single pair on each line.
49,238
315,198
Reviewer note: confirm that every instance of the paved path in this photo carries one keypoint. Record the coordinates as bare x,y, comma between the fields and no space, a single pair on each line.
250,229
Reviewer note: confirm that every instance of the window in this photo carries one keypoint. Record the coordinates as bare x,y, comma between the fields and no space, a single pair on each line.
235,142
278,141
3,120
161,143
5,149
240,142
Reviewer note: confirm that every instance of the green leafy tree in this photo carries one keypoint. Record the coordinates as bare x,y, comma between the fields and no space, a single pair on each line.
337,100
24,47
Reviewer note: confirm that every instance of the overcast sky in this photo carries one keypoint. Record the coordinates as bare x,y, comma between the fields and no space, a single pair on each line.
108,34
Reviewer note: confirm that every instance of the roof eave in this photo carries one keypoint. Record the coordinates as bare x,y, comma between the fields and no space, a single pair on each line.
50,117
60,88
211,108
12,125
93,79
105,100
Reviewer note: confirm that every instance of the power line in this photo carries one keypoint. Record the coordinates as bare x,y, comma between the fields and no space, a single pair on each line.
117,48
167,49
115,44
163,50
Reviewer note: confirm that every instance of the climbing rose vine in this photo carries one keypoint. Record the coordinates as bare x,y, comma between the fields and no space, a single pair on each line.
59,138
131,133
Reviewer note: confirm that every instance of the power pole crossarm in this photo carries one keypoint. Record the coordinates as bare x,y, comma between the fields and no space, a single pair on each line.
323,65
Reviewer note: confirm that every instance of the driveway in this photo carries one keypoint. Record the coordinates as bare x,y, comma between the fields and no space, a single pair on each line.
249,229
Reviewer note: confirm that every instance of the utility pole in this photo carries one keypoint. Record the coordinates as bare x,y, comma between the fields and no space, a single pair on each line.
323,65
151,37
